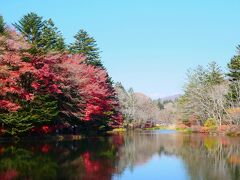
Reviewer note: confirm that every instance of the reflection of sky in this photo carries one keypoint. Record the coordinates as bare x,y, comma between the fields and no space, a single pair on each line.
165,167
148,44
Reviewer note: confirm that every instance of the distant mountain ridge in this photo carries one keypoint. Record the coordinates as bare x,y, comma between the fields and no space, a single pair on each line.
171,98
167,98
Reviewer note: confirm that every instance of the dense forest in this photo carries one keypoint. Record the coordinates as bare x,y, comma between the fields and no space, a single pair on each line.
47,86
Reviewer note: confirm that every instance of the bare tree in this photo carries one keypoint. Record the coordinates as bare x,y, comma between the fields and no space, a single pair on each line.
138,109
205,95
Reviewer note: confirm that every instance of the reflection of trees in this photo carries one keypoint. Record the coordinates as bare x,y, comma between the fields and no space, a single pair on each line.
205,157
138,148
210,157
90,158
97,159
21,163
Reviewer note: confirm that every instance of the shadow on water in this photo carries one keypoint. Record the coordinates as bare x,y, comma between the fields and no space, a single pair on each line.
141,155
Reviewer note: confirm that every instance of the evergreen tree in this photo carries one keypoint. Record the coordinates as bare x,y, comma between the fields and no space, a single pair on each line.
234,68
160,104
214,74
51,37
2,24
43,110
84,44
31,26
210,76
234,77
42,34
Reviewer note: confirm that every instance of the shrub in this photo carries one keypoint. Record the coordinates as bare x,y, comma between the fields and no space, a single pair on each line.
210,122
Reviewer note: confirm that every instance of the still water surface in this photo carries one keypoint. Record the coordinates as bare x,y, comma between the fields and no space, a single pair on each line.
136,155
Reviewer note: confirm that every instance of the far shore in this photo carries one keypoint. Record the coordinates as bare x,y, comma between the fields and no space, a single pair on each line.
228,130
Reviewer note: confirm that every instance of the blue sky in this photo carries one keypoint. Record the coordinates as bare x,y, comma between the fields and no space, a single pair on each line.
145,44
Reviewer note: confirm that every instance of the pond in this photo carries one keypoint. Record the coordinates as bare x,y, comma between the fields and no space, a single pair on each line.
133,155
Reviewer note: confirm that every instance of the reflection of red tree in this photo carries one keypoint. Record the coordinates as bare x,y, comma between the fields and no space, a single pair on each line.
2,150
97,169
118,139
224,141
9,174
45,148
1,130
46,129
90,166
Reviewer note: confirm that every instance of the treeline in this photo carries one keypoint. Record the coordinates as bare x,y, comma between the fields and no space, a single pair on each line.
140,111
47,86
211,97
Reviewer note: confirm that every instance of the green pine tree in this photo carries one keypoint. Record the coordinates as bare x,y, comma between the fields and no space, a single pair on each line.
42,111
160,104
84,44
2,24
234,77
31,26
51,38
214,74
234,68
42,34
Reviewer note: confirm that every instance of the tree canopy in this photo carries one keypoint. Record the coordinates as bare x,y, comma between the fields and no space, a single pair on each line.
41,34
85,44
2,24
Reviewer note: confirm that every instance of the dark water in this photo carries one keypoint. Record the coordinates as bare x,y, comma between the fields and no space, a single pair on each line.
147,155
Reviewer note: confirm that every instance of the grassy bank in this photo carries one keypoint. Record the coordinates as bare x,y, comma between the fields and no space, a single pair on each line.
162,127
229,130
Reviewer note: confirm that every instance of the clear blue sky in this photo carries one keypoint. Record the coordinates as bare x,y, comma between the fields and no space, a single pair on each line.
146,44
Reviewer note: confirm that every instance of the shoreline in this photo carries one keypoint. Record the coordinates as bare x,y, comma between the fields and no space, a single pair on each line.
226,130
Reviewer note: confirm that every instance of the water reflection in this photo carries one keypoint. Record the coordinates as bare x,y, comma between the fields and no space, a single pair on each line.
148,155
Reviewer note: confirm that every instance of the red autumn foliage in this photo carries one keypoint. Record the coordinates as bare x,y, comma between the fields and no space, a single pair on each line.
2,149
23,76
45,148
118,140
90,166
9,174
94,168
91,84
6,104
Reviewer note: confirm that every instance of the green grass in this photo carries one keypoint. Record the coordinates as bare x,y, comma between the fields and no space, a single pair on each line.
184,130
158,128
